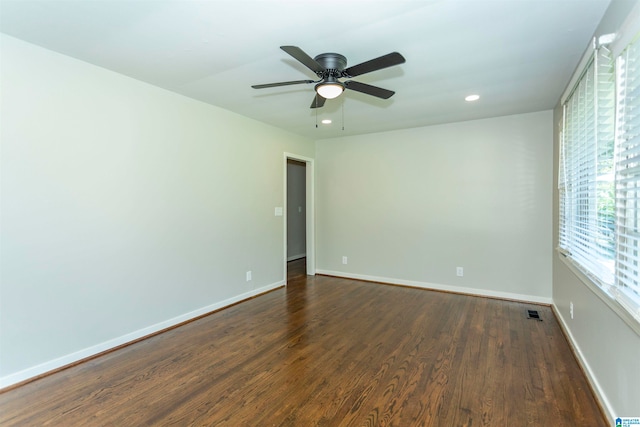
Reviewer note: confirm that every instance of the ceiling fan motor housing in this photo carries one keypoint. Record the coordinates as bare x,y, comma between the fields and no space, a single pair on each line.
333,63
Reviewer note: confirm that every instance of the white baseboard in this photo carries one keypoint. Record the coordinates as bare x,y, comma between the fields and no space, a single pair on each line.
295,257
77,356
595,385
438,287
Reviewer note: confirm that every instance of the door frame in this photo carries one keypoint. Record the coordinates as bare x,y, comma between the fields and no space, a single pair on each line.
309,212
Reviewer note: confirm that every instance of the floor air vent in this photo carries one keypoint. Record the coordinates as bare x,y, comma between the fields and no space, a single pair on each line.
533,314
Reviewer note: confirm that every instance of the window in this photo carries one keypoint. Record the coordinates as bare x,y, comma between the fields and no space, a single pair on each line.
599,175
627,179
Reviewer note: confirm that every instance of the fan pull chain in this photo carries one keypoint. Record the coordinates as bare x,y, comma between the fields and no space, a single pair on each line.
343,114
316,111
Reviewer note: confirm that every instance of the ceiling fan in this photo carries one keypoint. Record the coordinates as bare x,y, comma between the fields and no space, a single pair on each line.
330,67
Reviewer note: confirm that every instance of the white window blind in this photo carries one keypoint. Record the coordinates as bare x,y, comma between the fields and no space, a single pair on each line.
605,171
599,174
627,289
586,172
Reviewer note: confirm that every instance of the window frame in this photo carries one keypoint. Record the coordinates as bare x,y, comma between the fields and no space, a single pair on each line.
616,298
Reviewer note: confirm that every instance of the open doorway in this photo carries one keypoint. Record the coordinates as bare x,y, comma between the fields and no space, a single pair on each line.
296,219
299,247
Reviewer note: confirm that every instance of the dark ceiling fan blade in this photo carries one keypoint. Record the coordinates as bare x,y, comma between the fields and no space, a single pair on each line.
318,101
368,89
305,59
294,82
379,63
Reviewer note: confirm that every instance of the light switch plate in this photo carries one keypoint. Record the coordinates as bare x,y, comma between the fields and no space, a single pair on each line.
278,211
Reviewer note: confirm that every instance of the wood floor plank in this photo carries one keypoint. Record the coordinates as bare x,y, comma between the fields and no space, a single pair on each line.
326,351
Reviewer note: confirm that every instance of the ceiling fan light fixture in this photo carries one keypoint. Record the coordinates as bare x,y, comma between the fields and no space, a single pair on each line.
330,90
330,67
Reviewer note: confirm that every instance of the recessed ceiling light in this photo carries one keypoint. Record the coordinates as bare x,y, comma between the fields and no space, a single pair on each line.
471,98
326,122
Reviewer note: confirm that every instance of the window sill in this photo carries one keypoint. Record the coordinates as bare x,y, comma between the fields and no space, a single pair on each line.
603,294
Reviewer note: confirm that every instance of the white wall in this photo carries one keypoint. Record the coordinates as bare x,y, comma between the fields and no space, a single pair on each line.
609,347
125,208
410,206
296,210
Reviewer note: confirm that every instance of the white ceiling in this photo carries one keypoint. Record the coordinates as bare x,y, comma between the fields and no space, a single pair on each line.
516,54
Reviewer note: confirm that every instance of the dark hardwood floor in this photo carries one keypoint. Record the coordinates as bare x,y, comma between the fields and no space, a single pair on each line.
328,352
